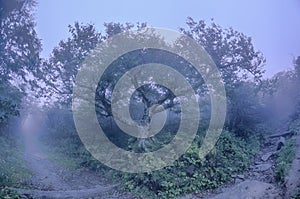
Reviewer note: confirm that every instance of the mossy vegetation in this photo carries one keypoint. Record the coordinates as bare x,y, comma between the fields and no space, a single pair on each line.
285,156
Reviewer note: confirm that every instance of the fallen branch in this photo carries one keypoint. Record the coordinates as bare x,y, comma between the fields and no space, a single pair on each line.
284,134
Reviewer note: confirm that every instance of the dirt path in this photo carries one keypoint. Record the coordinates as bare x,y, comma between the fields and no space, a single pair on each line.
48,176
259,181
52,181
49,180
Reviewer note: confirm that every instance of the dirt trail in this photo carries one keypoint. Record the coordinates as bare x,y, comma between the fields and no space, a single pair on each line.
52,181
259,181
49,180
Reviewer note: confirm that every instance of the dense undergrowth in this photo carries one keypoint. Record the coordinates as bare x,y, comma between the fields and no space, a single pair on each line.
286,154
6,193
13,167
191,174
188,174
284,159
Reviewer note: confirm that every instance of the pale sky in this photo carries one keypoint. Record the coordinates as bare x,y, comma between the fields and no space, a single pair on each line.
274,25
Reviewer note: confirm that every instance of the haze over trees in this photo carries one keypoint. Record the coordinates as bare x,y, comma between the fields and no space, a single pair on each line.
256,106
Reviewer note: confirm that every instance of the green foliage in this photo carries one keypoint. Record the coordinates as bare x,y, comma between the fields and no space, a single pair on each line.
244,115
190,174
284,159
283,104
6,193
13,168
238,61
10,101
236,58
62,142
232,51
19,50
19,45
60,70
70,153
295,126
296,196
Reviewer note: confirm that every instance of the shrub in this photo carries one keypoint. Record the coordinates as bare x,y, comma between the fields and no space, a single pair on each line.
8,194
285,156
13,168
191,174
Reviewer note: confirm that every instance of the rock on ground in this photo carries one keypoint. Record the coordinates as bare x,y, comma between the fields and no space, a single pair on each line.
266,156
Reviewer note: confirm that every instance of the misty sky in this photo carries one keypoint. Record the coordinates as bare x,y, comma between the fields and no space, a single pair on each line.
274,25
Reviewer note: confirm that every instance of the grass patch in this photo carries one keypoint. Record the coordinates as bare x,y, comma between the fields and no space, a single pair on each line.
69,152
65,152
285,156
62,160
13,167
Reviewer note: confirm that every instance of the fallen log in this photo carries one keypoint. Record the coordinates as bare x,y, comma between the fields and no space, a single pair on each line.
284,134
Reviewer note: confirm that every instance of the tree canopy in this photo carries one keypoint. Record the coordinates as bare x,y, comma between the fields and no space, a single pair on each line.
19,49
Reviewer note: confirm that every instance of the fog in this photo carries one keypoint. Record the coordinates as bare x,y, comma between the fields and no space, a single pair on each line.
97,102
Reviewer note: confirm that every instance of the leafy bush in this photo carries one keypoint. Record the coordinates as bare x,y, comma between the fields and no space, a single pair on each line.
244,115
8,194
10,101
188,174
62,143
287,153
191,174
13,168
296,196
284,159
